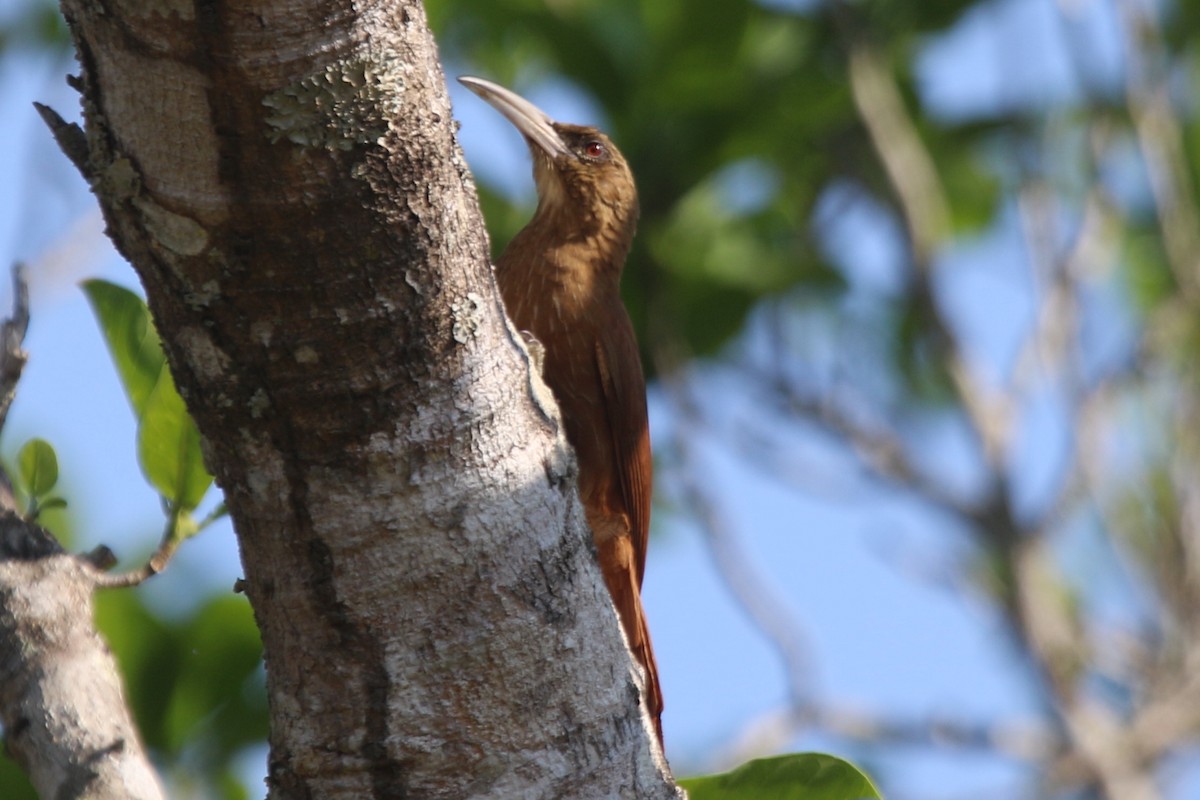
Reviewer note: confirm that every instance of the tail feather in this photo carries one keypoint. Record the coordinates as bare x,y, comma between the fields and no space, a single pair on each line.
620,574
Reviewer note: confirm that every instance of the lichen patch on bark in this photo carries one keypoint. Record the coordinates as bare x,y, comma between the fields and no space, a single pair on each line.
343,104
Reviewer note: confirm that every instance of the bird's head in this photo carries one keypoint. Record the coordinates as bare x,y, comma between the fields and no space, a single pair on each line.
583,182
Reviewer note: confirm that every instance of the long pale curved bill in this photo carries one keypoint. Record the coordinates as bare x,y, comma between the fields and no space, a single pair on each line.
530,120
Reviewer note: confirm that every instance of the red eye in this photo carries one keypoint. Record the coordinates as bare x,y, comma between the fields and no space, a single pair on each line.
594,149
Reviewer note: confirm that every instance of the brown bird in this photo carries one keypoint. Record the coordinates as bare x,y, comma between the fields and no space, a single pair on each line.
560,279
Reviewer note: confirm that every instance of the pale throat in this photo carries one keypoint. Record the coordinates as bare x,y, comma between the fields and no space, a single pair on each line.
599,239
572,261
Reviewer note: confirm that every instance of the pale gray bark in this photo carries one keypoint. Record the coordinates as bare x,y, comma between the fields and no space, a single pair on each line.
284,178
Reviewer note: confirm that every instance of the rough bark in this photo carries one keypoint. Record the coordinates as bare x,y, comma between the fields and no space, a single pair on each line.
61,703
61,706
285,180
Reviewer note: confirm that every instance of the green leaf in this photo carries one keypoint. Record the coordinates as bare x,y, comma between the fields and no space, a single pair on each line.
218,682
131,338
168,442
149,651
14,782
169,447
229,786
800,776
38,467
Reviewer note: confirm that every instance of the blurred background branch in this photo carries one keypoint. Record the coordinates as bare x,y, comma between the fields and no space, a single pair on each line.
918,284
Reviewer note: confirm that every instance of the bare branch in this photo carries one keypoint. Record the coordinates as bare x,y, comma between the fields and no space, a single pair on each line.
904,156
1160,137
1030,586
878,448
61,705
12,336
914,178
1030,741
751,589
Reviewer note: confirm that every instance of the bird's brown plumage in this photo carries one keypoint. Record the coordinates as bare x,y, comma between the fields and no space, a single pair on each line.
560,280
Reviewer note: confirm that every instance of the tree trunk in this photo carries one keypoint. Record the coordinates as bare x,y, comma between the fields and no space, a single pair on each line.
285,179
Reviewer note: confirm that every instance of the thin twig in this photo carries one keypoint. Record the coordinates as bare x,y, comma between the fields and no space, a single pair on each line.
157,562
1160,136
1028,741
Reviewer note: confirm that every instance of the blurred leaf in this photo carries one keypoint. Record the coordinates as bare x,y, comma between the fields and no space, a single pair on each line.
192,681
148,651
707,238
504,218
1180,23
38,467
918,352
13,781
230,787
1147,273
131,338
972,191
221,657
169,447
712,314
909,19
52,503
800,776
38,24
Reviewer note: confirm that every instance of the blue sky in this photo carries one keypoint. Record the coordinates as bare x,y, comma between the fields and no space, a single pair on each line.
881,634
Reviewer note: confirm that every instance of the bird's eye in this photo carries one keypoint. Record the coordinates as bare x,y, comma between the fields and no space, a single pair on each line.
594,149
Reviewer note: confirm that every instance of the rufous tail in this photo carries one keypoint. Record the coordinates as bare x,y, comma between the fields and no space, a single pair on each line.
616,562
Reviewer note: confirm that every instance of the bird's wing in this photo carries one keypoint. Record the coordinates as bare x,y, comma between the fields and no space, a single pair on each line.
623,560
623,386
